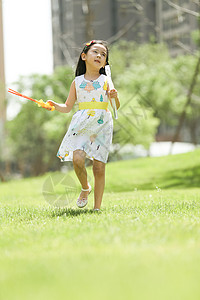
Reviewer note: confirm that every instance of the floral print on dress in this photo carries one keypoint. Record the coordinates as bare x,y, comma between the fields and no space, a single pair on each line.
96,85
100,121
90,86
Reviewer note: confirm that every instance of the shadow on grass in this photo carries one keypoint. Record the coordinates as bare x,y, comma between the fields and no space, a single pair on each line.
70,212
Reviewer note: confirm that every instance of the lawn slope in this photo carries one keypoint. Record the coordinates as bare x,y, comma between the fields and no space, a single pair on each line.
168,172
144,244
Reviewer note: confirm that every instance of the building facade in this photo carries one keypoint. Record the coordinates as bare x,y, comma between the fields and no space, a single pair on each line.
77,21
176,20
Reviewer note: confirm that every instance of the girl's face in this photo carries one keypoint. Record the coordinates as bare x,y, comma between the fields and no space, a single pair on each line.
95,57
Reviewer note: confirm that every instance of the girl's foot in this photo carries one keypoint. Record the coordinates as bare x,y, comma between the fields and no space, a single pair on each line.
82,200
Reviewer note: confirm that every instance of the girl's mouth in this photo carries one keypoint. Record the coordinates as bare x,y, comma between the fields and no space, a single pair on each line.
96,60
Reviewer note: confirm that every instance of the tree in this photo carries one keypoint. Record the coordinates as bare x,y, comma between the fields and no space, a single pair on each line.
159,81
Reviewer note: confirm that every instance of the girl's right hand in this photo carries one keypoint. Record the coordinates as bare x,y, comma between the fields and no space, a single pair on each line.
52,103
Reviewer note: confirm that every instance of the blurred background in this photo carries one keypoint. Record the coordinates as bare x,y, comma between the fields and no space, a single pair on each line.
155,61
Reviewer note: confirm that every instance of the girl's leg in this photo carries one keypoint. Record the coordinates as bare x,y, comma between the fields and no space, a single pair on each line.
99,182
80,170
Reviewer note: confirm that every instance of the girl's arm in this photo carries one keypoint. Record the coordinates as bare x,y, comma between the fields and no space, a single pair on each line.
65,108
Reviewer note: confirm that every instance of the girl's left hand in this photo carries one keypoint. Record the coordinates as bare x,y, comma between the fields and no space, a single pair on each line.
113,94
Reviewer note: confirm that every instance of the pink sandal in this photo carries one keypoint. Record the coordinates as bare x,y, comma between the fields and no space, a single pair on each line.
84,201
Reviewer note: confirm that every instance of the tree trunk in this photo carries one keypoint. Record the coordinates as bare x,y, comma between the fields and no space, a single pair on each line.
2,178
188,102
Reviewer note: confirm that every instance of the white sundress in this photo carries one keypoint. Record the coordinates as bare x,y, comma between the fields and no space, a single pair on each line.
90,130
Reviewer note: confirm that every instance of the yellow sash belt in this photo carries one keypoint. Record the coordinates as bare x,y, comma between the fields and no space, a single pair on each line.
93,105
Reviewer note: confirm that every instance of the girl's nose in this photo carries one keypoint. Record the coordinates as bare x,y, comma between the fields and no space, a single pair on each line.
98,55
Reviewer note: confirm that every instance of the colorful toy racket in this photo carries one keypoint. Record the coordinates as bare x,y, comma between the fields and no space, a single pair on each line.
40,102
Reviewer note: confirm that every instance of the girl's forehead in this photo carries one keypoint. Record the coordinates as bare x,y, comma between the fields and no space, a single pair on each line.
99,47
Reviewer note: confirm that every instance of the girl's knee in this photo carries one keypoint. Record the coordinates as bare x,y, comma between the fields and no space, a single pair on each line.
78,157
99,168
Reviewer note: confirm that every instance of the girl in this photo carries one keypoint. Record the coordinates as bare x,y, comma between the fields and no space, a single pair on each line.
90,131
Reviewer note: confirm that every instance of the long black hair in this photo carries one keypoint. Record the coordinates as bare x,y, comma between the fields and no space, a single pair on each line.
81,67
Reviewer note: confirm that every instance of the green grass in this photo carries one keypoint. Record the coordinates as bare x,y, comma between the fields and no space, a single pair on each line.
145,244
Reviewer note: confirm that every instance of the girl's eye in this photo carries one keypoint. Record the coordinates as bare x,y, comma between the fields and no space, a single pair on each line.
95,51
103,54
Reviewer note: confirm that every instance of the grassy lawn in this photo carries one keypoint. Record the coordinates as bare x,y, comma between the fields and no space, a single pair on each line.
145,244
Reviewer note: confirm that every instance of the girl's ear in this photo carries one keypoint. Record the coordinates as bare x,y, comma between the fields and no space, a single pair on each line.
83,56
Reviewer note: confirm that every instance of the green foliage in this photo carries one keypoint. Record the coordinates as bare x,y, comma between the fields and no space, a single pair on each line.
136,123
159,81
35,134
196,36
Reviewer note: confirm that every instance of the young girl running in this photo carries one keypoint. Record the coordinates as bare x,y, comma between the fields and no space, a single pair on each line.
90,131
